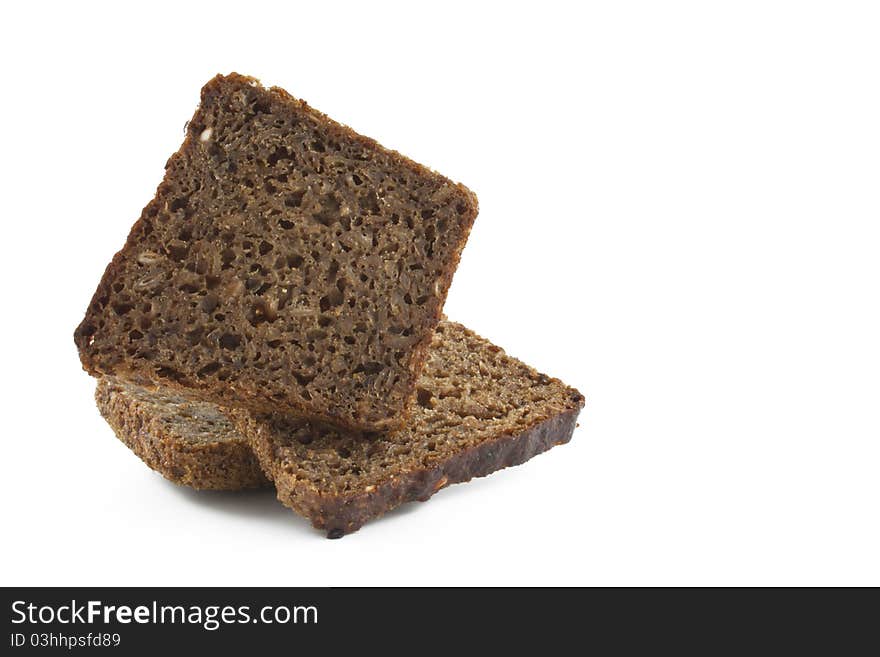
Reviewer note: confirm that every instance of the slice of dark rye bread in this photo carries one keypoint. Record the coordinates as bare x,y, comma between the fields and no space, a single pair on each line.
286,264
478,410
190,443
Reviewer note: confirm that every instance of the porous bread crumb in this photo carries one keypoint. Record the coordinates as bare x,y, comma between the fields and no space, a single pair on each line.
285,264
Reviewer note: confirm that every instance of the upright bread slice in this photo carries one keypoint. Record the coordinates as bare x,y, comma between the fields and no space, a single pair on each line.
478,410
285,264
189,443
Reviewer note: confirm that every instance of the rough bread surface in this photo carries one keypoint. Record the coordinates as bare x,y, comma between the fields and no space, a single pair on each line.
285,264
189,443
478,410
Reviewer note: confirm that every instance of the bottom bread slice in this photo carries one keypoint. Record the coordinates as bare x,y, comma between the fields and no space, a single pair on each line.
188,442
477,410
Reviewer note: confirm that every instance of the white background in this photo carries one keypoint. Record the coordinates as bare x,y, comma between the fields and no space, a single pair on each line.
680,215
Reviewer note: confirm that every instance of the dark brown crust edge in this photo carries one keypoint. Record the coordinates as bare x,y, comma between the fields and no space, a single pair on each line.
213,466
395,417
340,515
